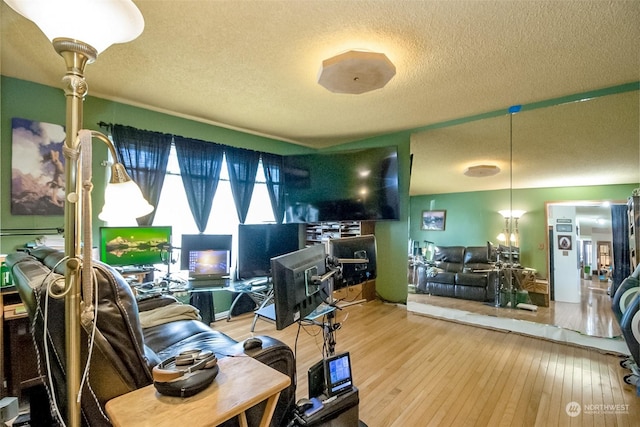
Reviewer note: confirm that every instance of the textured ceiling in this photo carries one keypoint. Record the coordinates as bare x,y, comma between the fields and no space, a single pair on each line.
253,65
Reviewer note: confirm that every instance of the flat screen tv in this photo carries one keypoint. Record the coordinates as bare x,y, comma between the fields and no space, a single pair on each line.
296,293
339,186
347,251
134,246
258,243
206,256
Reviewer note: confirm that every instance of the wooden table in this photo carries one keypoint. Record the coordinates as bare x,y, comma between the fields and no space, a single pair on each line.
241,383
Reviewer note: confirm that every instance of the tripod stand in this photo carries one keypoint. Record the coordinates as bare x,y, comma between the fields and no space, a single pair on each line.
166,254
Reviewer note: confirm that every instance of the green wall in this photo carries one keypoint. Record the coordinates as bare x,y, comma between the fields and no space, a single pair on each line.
43,103
46,104
472,218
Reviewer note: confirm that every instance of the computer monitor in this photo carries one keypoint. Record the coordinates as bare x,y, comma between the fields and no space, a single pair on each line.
349,249
297,290
337,372
258,243
134,246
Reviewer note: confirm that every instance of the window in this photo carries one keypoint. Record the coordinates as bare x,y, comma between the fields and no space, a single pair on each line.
173,207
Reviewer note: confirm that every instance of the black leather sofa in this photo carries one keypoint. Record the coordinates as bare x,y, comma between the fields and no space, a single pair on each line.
459,272
125,353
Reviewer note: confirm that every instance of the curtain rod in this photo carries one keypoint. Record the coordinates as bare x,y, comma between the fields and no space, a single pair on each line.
107,126
30,231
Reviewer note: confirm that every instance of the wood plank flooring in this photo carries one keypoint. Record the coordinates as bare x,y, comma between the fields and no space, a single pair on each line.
592,316
414,370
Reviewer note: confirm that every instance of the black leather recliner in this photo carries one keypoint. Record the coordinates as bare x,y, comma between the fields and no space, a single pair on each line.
125,353
624,294
626,308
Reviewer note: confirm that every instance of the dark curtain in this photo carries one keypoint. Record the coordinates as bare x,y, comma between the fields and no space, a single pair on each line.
242,165
144,155
200,163
273,165
621,252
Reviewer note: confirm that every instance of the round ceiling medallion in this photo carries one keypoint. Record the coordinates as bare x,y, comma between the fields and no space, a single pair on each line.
356,72
480,171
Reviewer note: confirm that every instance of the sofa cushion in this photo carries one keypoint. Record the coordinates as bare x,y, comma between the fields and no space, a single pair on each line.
476,254
449,254
452,267
169,339
479,267
448,278
473,293
440,289
472,279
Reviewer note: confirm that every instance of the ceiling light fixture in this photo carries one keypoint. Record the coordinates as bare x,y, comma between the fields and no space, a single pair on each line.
356,72
481,171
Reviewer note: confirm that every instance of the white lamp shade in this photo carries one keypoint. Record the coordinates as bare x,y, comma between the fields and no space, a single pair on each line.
516,213
98,23
123,201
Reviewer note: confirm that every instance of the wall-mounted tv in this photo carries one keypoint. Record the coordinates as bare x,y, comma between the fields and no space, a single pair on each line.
341,186
135,246
258,243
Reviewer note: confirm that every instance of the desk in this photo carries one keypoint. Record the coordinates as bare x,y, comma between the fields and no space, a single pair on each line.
19,364
241,383
139,274
269,312
259,290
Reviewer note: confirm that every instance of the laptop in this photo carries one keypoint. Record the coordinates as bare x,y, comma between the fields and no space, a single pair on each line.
209,267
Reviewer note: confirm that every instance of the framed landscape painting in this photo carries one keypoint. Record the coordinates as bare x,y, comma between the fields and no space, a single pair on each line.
433,220
37,168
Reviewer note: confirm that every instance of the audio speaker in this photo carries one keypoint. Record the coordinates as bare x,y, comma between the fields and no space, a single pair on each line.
315,376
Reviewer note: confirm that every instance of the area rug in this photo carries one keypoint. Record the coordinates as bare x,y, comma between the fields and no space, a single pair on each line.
524,327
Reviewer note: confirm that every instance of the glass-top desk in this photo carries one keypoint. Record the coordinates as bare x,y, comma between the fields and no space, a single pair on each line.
268,311
259,289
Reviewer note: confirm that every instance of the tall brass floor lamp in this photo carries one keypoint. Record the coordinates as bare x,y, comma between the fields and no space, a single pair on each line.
79,31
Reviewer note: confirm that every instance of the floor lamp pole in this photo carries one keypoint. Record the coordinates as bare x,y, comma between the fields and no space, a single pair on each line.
76,55
99,24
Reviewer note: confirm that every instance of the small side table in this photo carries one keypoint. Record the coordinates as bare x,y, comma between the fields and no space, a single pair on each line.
241,383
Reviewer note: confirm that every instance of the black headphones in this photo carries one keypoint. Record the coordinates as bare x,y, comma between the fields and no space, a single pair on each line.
200,368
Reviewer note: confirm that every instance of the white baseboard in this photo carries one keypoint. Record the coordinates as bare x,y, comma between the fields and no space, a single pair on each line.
222,315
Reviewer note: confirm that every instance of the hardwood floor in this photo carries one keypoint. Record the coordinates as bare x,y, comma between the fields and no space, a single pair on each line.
592,316
413,370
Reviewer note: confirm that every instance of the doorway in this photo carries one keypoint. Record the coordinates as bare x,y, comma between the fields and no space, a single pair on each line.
605,265
592,226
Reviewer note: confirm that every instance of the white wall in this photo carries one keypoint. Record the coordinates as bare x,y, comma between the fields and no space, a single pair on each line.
566,274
